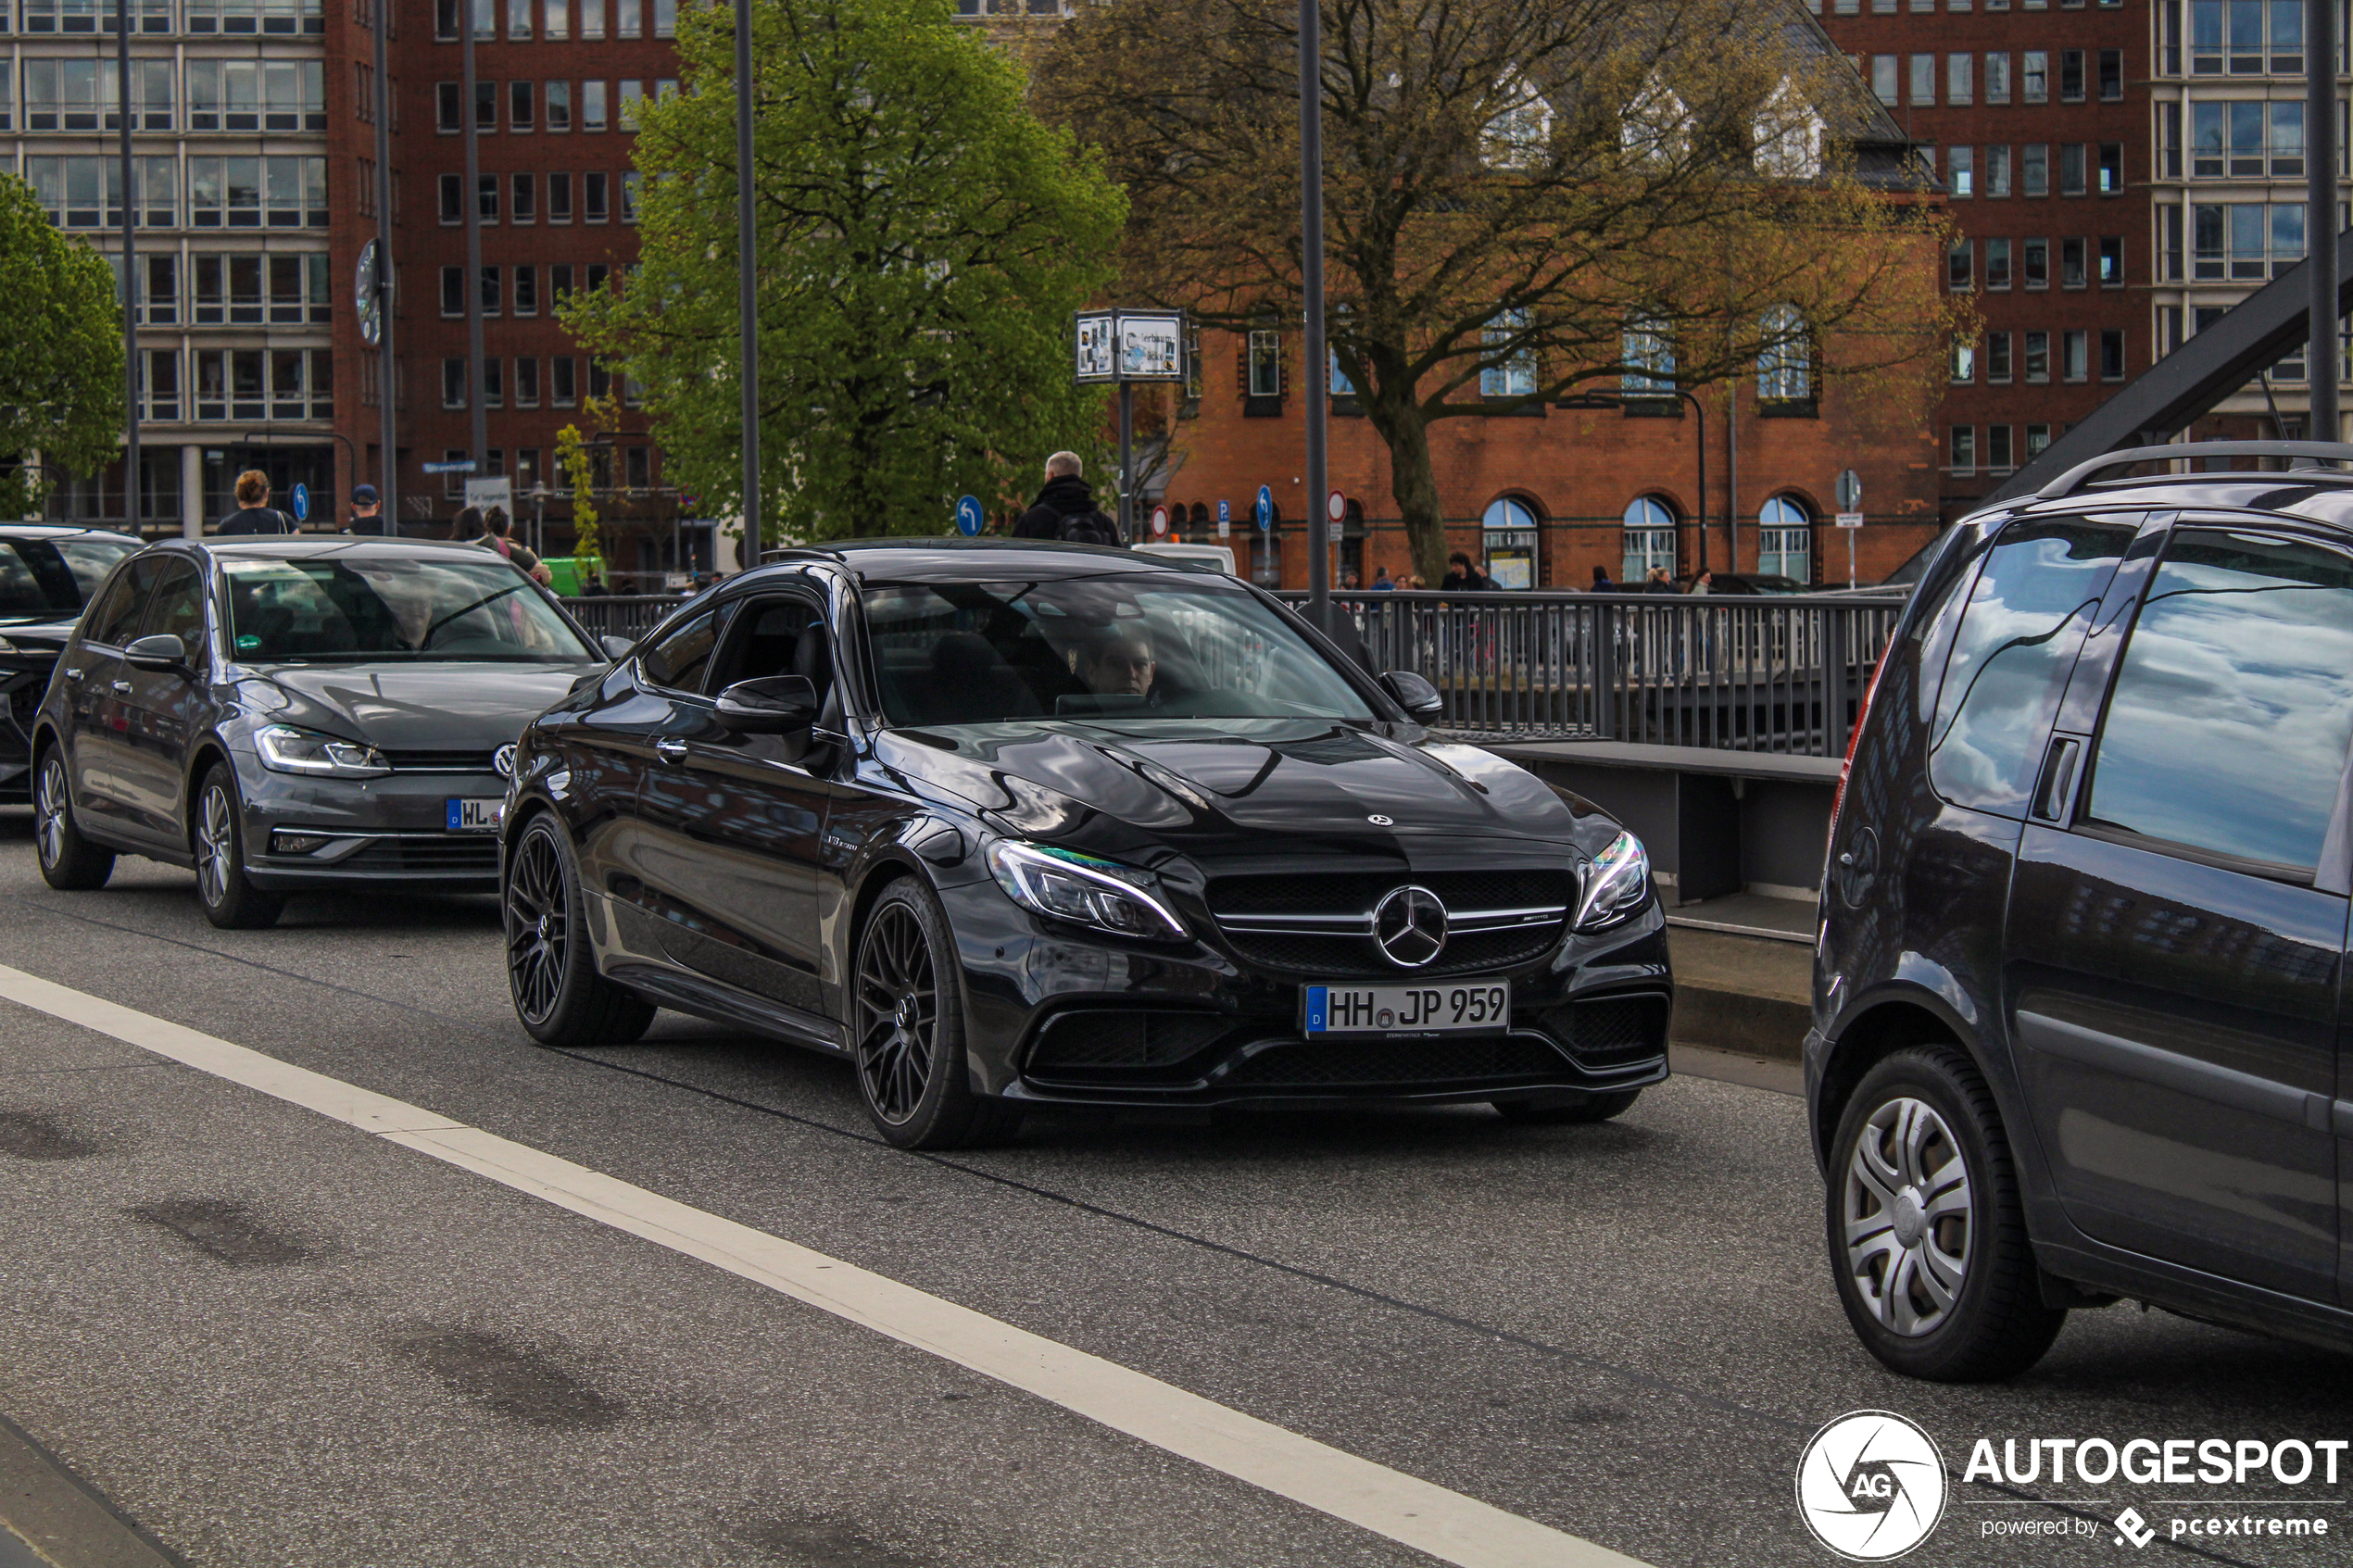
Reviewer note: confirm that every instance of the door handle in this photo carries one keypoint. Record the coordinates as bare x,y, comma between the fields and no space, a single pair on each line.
73,674
671,750
2059,780
122,686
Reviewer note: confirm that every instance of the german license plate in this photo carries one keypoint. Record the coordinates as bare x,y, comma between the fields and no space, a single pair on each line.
1465,1006
476,814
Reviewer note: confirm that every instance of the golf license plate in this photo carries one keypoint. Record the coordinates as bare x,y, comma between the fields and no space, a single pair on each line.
476,814
1462,1007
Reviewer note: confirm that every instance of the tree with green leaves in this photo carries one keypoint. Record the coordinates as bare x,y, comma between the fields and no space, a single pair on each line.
1525,201
922,242
61,357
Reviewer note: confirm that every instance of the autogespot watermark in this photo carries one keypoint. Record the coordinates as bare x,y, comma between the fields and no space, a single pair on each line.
1873,1485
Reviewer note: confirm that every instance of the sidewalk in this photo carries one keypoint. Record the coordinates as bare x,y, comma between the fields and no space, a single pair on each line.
1752,996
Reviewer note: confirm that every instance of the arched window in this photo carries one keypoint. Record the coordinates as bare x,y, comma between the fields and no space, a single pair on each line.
1510,539
1785,539
1649,539
1785,366
1508,513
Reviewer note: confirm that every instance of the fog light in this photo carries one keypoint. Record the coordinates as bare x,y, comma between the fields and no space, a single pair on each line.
284,843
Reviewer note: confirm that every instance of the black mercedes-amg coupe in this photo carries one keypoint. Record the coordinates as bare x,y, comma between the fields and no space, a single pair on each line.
1012,825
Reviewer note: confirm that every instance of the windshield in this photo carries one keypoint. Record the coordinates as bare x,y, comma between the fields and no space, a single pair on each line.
1151,646
443,607
40,578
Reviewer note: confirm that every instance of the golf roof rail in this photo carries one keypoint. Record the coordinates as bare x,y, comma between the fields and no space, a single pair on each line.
2310,455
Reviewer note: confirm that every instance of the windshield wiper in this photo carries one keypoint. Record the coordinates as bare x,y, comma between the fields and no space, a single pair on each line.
466,609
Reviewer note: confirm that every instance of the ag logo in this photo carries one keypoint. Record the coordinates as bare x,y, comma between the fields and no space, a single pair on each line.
1871,1485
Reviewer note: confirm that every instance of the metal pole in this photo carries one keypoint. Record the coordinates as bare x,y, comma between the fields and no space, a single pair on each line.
2320,131
387,395
747,281
1311,269
130,273
475,398
1699,411
1127,440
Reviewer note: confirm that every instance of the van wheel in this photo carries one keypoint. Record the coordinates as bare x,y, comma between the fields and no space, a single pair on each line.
218,836
1570,1110
68,861
1927,1233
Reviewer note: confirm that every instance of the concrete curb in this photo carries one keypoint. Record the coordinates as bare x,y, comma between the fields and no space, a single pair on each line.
60,1517
1770,1027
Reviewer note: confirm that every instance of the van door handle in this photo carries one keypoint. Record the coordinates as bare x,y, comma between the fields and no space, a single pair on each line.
2059,780
671,750
122,686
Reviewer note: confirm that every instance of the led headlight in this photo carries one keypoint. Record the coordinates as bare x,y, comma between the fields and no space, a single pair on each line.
285,749
1069,885
1617,885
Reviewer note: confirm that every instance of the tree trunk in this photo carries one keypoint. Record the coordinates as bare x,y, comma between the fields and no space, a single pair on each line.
1412,482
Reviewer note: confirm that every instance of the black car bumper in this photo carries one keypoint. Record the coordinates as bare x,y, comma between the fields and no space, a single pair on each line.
1056,1018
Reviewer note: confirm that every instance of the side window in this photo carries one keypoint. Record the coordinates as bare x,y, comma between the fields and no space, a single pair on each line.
178,608
681,656
765,640
114,619
2018,636
2227,726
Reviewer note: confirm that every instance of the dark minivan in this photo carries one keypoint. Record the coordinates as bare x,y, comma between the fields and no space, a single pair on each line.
2078,1015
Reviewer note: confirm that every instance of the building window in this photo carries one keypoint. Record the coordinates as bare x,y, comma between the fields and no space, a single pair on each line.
2169,141
1960,171
2246,139
592,18
2037,438
2169,244
2074,267
526,291
2230,39
453,290
632,100
2075,354
1960,267
2070,76
1785,540
1997,264
629,188
1997,170
449,107
560,391
526,382
2111,172
1962,449
453,198
485,106
519,21
1648,541
1997,449
486,198
1997,77
629,19
2071,169
2035,161
1264,367
1883,73
558,97
2112,260
1964,367
519,105
494,389
1785,368
1515,376
490,290
1923,83
453,382
445,22
593,187
2111,354
2111,76
558,199
1648,353
2035,77
591,105
523,191
2038,358
1960,86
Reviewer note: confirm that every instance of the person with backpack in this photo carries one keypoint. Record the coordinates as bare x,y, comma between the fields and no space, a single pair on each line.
1066,509
489,532
254,513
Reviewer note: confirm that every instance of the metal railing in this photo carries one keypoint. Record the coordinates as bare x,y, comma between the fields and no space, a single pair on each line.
1778,673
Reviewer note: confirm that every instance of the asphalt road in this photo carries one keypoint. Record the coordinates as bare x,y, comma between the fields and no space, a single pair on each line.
270,1339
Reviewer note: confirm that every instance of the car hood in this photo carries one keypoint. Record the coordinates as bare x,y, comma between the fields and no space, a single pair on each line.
1204,785
45,632
452,707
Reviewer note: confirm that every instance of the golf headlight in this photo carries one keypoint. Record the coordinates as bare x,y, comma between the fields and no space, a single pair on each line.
1069,885
285,749
1617,885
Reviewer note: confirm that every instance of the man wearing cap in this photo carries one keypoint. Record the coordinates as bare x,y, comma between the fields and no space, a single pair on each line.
367,510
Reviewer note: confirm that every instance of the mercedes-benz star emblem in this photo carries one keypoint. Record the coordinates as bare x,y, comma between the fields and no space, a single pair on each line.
503,759
1410,926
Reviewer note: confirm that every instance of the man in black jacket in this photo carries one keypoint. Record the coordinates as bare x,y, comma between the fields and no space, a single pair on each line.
1066,509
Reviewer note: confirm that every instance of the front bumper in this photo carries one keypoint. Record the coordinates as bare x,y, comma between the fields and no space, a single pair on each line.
385,832
23,681
1056,1017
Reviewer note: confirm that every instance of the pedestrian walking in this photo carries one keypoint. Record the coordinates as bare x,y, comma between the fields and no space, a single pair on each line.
488,531
1065,508
254,513
367,511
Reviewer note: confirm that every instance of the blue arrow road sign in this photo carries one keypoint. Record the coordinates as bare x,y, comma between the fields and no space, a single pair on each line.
967,516
1265,506
302,502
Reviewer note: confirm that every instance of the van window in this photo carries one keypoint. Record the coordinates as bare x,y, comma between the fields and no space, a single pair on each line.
2016,645
2228,724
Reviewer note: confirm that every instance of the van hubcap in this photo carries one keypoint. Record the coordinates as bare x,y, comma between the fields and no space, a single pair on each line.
1909,1216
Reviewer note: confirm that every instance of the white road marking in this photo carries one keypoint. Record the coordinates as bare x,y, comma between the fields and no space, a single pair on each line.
1446,1524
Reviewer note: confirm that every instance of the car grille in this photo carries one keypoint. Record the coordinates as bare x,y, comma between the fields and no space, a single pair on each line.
453,852
440,762
1612,1032
1327,1064
1320,923
1087,1042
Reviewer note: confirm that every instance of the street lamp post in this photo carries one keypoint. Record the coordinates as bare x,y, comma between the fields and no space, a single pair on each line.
129,271
388,390
476,393
2320,201
1699,411
747,280
1311,267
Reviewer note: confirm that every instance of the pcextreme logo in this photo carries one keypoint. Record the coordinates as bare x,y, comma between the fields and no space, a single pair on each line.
1871,1485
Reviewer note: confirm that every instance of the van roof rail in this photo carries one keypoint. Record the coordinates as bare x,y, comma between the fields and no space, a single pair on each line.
2310,455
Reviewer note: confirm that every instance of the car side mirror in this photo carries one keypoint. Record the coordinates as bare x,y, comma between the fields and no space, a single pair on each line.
772,705
1415,696
161,651
615,648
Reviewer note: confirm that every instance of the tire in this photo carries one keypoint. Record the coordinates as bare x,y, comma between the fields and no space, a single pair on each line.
68,861
1920,1152
907,1029
216,837
551,970
1568,1110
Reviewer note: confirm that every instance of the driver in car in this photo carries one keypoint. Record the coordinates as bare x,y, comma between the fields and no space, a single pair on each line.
1123,665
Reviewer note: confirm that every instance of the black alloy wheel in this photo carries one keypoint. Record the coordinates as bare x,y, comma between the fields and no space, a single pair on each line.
551,970
908,1025
217,838
68,861
1577,1109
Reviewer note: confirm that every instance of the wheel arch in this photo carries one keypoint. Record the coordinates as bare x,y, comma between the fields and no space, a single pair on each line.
1878,1029
209,753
